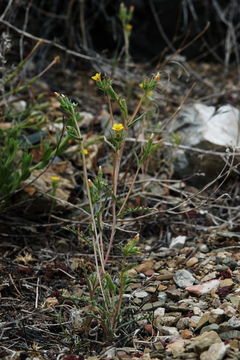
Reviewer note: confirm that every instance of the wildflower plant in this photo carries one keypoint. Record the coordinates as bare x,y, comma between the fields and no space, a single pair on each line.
125,15
16,160
100,190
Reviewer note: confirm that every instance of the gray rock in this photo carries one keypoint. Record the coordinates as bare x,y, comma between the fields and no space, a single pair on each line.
231,263
234,322
183,323
230,334
162,296
214,327
169,330
183,278
176,294
152,306
215,352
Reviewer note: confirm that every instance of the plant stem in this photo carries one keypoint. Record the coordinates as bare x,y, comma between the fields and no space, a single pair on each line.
110,109
129,191
120,297
96,245
116,165
136,109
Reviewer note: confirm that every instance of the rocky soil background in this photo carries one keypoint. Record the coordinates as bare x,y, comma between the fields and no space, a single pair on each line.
184,298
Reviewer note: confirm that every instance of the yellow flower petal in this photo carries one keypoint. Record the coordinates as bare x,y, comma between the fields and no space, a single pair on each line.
85,151
118,127
97,77
55,178
128,27
140,85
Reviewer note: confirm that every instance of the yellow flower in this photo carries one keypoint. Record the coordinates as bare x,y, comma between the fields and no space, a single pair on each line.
128,27
140,85
97,77
157,77
55,178
85,151
117,127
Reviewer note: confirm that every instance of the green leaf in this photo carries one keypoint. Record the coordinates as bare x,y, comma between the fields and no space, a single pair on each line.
110,284
110,144
136,120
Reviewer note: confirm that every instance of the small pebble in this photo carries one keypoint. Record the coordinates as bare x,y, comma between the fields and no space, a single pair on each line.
183,278
203,248
186,334
140,294
192,261
178,242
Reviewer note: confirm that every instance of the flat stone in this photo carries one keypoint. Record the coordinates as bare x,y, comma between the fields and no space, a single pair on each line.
146,265
178,242
193,321
152,306
186,334
166,276
212,275
162,297
235,300
160,311
137,301
229,310
204,288
197,311
176,347
169,330
234,323
215,352
205,340
168,320
183,323
214,327
176,294
132,273
151,289
226,282
192,261
183,278
216,316
230,334
140,294
203,320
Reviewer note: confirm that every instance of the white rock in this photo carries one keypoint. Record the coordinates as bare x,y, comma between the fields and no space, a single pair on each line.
197,311
140,294
178,242
217,311
204,127
160,311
